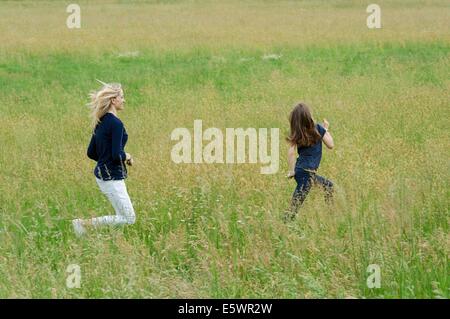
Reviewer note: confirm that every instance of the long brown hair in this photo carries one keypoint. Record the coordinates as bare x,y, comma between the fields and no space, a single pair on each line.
303,130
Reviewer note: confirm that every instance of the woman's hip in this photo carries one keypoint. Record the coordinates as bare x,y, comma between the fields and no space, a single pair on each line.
112,186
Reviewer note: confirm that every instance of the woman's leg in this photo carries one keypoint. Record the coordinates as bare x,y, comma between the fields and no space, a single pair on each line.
117,194
327,186
303,179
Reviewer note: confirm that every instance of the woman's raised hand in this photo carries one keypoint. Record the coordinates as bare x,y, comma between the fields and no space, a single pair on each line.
128,159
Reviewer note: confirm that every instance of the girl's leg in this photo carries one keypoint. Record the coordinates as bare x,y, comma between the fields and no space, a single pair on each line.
117,194
327,186
303,180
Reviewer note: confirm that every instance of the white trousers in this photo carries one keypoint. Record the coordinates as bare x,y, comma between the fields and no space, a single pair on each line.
116,192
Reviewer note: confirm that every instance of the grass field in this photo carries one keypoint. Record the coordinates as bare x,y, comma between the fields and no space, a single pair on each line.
215,230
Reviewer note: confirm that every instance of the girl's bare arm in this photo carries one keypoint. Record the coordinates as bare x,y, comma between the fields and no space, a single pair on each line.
327,138
291,157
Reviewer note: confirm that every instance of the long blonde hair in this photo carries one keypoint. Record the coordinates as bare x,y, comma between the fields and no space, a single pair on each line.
101,100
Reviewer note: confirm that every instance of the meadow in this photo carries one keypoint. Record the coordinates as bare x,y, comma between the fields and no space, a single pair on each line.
215,230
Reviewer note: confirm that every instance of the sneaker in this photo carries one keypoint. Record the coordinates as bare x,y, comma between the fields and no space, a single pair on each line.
78,227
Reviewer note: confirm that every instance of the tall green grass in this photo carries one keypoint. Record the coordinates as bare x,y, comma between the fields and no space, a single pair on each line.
216,230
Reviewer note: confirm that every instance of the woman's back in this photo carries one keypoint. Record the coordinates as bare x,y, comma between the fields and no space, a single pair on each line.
107,148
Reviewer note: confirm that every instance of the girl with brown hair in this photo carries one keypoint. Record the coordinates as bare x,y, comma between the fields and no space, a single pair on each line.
306,139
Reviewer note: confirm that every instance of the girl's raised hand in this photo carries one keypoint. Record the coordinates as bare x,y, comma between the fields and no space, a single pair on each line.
326,124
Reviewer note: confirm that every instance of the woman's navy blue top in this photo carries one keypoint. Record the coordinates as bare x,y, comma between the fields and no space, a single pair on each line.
309,157
107,148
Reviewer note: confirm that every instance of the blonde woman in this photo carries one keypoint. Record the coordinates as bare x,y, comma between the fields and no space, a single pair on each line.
107,149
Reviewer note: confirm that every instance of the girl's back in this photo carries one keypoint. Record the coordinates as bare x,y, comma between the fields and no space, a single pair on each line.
310,156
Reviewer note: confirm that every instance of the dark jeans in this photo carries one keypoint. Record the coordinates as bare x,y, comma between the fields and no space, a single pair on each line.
305,180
